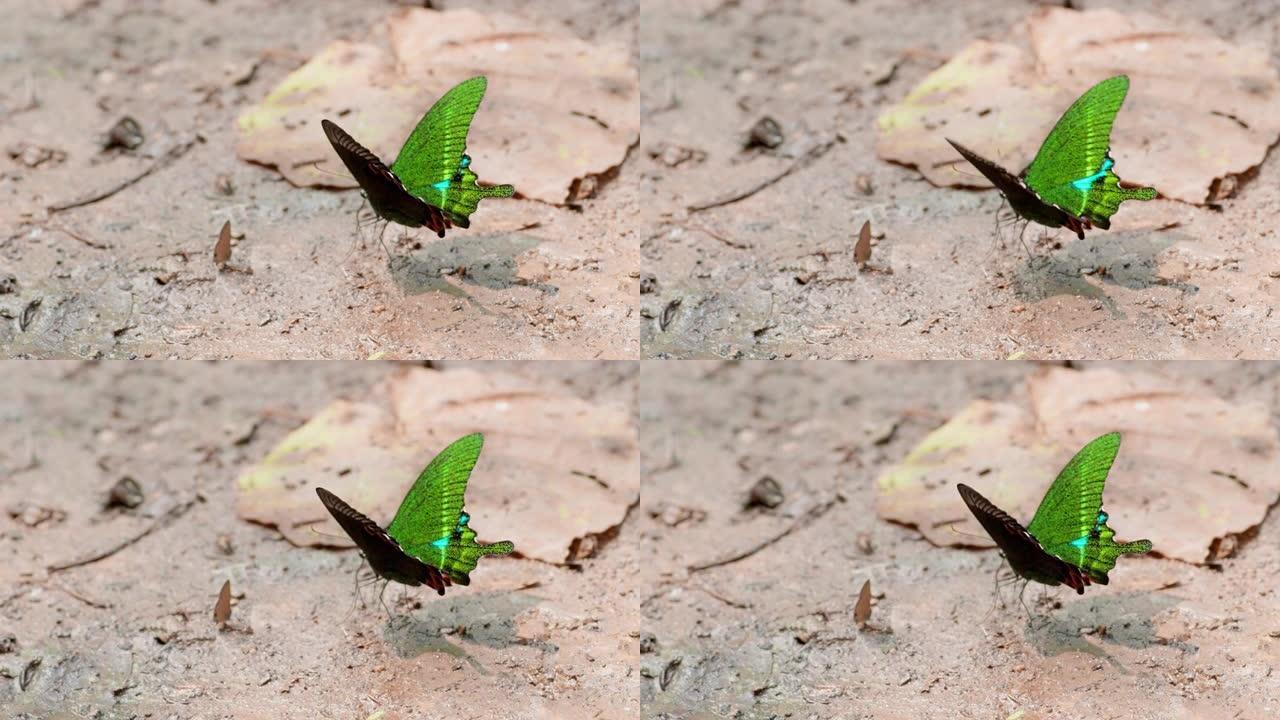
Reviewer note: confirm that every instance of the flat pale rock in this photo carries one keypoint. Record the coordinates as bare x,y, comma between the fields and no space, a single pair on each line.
557,108
555,471
1199,108
1194,471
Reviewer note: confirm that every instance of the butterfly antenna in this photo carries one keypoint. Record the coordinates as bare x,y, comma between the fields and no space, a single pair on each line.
325,534
315,165
952,528
958,171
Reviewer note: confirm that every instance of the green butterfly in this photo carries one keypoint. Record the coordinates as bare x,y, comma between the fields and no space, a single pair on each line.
1068,541
431,182
430,540
1071,182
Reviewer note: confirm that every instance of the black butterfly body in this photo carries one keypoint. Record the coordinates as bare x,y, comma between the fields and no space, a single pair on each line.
384,190
1024,553
384,554
1021,198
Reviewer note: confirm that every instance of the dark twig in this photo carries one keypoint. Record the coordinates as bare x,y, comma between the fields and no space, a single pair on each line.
590,476
81,238
174,513
721,238
812,514
727,601
174,153
87,601
814,153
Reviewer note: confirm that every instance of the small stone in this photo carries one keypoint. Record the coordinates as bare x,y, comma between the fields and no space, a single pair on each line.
126,133
765,133
648,643
765,493
125,493
648,283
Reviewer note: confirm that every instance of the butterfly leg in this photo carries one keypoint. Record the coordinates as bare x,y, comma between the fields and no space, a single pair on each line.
1022,601
355,590
363,219
1022,238
997,239
360,212
995,593
382,592
383,242
363,201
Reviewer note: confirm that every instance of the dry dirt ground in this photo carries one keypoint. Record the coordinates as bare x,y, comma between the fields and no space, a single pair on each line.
132,275
131,635
772,635
772,275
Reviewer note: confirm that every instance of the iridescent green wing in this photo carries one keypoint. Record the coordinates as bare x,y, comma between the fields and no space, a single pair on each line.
1070,522
1073,169
433,163
431,524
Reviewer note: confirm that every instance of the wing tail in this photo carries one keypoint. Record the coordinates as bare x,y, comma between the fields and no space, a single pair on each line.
1137,547
498,191
506,547
1104,199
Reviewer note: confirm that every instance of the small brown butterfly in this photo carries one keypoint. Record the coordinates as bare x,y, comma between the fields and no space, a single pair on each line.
222,608
862,610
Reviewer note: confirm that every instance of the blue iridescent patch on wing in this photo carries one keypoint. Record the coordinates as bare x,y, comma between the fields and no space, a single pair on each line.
1087,182
442,185
440,544
1080,542
466,161
463,519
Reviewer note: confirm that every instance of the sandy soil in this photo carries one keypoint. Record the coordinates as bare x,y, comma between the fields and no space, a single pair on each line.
773,276
772,635
132,275
132,635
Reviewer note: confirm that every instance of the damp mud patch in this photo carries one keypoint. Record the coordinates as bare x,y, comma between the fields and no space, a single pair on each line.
486,619
487,261
1084,266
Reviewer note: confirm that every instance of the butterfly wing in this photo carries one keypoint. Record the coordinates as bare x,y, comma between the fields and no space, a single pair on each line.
1023,551
1022,200
1070,522
433,162
383,553
1073,169
385,192
431,524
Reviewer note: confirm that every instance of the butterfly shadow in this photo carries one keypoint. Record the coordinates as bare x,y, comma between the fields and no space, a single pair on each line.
1126,619
484,260
486,619
1128,261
